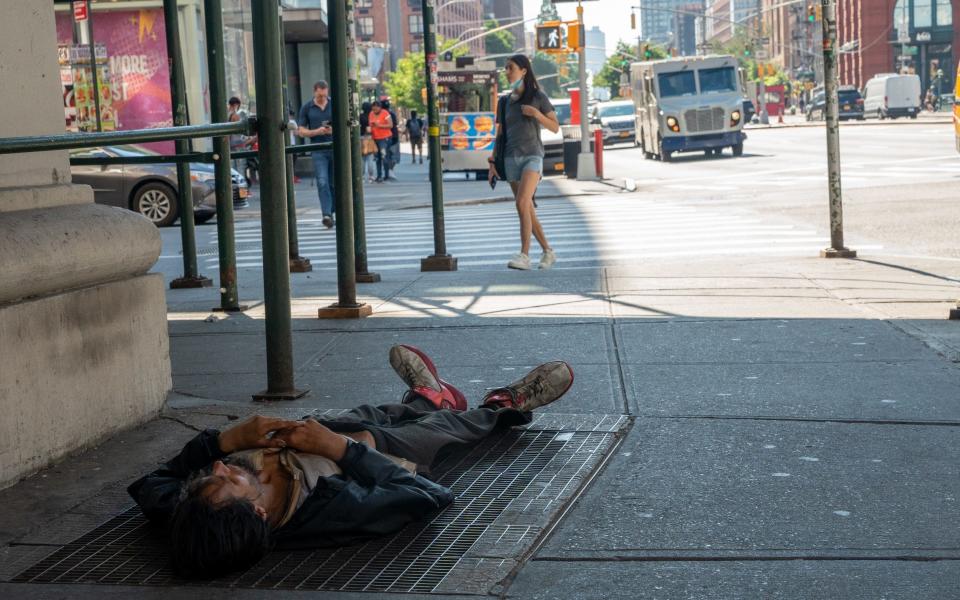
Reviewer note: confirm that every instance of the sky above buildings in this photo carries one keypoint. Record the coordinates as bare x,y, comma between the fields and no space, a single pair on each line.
612,16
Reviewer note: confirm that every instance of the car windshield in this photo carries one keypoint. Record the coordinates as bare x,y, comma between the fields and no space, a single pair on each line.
563,112
849,95
722,79
681,83
616,110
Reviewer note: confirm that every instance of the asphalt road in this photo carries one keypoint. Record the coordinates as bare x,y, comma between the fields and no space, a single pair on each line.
899,180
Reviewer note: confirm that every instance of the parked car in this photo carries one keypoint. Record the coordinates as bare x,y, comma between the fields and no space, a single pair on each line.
553,142
892,95
850,107
151,189
617,120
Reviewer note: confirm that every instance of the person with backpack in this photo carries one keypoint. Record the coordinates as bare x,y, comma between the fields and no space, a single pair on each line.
393,150
415,133
518,152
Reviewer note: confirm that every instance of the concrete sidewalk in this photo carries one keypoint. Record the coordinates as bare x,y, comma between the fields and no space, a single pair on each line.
794,421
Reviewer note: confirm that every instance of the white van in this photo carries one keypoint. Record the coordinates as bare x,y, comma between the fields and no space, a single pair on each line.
892,95
688,104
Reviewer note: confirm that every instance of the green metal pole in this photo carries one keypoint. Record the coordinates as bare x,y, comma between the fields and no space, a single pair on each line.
298,264
273,198
359,218
178,95
347,305
213,23
439,260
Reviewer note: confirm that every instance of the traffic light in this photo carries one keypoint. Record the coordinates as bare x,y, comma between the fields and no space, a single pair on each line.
633,20
574,39
647,53
747,52
550,37
811,12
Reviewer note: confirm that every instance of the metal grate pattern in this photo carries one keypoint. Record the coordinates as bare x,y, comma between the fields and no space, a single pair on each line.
704,119
507,491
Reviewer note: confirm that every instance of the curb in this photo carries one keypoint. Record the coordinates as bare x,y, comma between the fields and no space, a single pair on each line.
865,123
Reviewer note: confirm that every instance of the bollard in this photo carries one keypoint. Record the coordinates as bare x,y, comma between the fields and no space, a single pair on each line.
346,306
598,152
178,96
226,246
439,260
272,118
836,249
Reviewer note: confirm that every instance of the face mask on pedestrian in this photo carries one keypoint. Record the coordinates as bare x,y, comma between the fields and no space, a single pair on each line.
516,84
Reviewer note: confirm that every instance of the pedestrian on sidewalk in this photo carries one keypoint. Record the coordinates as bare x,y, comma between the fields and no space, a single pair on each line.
316,118
393,152
519,151
414,129
368,148
230,496
381,126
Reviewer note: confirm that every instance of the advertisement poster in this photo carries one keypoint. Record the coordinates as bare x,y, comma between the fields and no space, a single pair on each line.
132,73
470,131
78,93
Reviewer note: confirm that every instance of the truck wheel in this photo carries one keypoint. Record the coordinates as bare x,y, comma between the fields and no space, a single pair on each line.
664,155
738,149
880,114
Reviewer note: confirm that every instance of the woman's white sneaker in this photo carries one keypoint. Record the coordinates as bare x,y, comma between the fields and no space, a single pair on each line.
549,257
520,261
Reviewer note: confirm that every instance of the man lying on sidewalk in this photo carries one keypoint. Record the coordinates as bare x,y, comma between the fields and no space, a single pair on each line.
229,497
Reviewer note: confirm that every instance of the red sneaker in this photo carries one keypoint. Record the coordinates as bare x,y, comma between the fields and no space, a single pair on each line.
419,373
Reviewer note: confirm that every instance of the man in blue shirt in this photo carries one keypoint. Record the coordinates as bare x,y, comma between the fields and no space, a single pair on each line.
316,118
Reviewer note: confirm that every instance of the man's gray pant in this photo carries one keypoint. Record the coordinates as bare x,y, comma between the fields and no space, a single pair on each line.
420,433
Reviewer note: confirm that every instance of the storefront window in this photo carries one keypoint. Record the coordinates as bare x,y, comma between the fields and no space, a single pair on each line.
944,13
901,18
922,13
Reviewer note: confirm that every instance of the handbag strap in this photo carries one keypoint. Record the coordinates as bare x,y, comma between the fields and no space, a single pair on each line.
502,117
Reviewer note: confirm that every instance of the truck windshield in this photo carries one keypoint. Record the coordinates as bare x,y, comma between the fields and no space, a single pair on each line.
681,83
723,79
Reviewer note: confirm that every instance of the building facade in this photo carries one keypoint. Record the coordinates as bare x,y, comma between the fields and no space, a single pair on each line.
687,29
506,11
596,46
657,20
718,21
460,21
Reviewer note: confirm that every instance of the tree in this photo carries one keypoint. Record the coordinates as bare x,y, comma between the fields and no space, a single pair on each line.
499,42
619,62
554,78
405,83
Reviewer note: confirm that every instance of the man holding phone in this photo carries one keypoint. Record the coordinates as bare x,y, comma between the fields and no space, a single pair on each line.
315,119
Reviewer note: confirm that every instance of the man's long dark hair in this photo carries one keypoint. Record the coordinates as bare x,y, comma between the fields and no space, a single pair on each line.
211,540
530,85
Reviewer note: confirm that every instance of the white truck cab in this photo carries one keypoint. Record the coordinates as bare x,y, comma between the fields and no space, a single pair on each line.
688,104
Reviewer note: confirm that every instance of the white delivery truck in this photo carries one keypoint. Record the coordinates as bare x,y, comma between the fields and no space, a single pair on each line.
892,95
688,104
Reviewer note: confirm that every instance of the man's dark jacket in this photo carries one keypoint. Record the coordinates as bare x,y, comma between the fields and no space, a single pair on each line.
373,497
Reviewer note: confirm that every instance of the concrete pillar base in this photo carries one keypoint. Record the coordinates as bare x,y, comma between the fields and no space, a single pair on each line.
955,313
367,277
838,253
337,311
586,167
299,264
199,281
437,262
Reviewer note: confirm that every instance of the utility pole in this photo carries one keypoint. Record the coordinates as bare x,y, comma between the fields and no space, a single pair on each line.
439,260
829,27
586,168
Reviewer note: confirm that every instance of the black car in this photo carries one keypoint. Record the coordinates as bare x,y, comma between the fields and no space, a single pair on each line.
850,107
151,189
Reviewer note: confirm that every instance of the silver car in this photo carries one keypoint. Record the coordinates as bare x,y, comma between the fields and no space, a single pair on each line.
617,121
151,189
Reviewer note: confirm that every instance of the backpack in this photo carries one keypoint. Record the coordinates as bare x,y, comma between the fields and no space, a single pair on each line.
415,127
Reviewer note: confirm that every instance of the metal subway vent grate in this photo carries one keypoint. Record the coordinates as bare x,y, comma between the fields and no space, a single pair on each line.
508,490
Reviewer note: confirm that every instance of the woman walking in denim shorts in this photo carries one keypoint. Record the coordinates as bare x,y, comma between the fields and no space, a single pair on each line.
519,118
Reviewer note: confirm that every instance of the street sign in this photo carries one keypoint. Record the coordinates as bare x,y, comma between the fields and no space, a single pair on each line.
80,10
550,37
762,54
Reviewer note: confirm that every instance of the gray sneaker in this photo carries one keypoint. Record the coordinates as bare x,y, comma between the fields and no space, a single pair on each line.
537,388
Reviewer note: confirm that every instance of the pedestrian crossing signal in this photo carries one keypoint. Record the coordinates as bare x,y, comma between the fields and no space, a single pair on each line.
550,37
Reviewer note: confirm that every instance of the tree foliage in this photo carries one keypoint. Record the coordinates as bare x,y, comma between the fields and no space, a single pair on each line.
405,83
619,62
499,42
555,75
743,46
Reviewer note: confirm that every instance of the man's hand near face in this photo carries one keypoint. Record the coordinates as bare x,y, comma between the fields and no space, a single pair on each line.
255,432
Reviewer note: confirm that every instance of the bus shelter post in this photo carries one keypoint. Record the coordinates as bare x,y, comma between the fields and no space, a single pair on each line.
439,260
359,215
178,95
226,246
272,120
346,306
836,249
